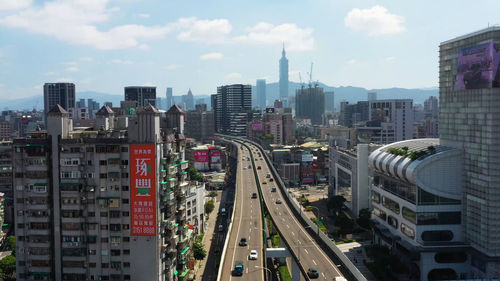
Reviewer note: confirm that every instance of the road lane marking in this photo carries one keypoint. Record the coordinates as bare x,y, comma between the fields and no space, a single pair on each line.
315,263
323,275
287,226
293,233
306,251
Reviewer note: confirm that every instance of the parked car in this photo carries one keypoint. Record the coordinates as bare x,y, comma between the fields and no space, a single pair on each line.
243,241
253,255
312,273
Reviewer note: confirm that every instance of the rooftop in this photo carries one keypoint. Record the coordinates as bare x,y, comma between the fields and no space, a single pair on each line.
484,30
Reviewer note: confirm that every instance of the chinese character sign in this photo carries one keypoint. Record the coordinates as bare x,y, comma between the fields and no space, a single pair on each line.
201,156
143,191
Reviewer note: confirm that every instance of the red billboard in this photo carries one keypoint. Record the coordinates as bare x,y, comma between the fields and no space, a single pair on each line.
143,189
201,156
215,156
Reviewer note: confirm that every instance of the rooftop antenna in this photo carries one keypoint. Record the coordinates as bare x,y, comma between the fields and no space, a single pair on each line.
310,76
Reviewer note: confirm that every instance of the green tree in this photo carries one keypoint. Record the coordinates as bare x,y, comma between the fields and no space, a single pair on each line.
212,194
335,203
209,207
364,218
12,244
199,251
8,267
194,175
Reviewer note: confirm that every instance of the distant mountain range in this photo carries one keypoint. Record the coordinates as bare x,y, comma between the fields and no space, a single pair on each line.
348,93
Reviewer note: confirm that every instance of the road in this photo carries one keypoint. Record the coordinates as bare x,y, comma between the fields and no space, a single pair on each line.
247,223
301,243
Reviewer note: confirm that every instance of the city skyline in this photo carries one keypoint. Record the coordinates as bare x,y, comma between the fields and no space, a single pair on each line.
208,47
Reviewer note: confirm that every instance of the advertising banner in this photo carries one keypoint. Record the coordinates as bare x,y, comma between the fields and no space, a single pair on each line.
215,156
143,189
478,67
201,156
307,157
257,126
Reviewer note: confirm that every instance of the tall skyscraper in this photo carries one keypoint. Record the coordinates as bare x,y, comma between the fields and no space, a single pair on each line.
188,100
170,99
283,84
329,101
431,108
310,104
58,93
143,95
469,99
261,93
233,105
394,117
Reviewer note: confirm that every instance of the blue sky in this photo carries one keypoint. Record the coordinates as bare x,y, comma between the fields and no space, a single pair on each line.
104,45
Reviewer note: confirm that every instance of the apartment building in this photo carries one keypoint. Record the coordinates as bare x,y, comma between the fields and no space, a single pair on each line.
103,203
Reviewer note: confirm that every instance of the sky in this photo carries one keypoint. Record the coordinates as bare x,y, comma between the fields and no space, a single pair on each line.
105,45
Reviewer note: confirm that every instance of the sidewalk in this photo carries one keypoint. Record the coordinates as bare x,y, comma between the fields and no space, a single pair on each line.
207,242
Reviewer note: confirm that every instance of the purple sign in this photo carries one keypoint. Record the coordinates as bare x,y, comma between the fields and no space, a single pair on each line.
478,67
257,126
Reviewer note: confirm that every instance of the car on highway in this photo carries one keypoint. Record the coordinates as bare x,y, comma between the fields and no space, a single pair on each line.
312,273
253,255
249,167
243,241
268,175
271,179
254,195
264,182
278,201
258,168
273,189
238,269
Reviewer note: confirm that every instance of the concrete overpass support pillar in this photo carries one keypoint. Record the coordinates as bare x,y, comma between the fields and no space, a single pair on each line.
295,271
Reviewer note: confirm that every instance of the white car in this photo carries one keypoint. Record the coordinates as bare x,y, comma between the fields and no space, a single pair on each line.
253,255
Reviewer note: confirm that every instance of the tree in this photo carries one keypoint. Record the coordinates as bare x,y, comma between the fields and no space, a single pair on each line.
199,251
8,266
194,175
335,203
209,207
364,218
212,194
12,244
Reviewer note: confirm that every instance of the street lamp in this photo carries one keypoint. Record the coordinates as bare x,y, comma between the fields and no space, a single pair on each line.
267,269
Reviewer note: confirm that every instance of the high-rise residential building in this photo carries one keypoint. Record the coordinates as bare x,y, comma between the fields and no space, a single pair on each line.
469,100
81,103
113,205
200,123
261,93
310,104
353,114
58,93
278,104
431,107
170,98
394,117
283,83
329,101
188,100
143,95
372,96
232,106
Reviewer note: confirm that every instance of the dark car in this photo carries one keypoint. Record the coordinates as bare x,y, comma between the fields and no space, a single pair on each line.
238,269
271,179
273,189
249,167
254,195
258,168
243,241
312,273
278,201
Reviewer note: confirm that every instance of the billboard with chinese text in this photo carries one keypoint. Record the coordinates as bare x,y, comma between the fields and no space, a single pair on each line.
215,156
143,189
201,156
257,126
478,67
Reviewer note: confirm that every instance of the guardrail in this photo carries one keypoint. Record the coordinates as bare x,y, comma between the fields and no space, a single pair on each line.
224,249
348,268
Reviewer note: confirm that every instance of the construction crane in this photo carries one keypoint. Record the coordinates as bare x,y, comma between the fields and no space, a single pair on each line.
311,79
301,84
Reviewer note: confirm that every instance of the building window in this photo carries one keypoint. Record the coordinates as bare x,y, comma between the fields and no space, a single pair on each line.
390,204
124,162
437,235
90,149
450,257
104,227
124,201
375,197
102,162
379,213
124,187
434,218
392,221
124,149
408,231
125,213
410,215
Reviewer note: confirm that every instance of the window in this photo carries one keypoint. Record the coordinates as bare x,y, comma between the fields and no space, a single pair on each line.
104,239
92,252
124,187
91,239
126,264
89,162
392,221
92,264
410,215
103,176
126,227
450,257
104,214
102,162
125,239
126,251
90,149
390,204
74,150
114,203
90,175
124,162
125,175
408,231
114,214
124,149
104,227
115,252
125,201
437,236
125,214
114,227
105,264
434,218
375,197
91,214
379,213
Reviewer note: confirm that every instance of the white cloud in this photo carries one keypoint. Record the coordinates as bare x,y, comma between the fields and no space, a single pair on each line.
212,56
375,21
144,47
50,73
203,31
72,69
14,4
119,61
294,37
172,67
144,16
351,61
233,75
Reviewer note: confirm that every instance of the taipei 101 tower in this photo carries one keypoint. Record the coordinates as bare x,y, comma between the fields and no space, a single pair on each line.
283,77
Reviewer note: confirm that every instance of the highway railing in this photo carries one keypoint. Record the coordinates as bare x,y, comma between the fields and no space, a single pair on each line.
348,269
